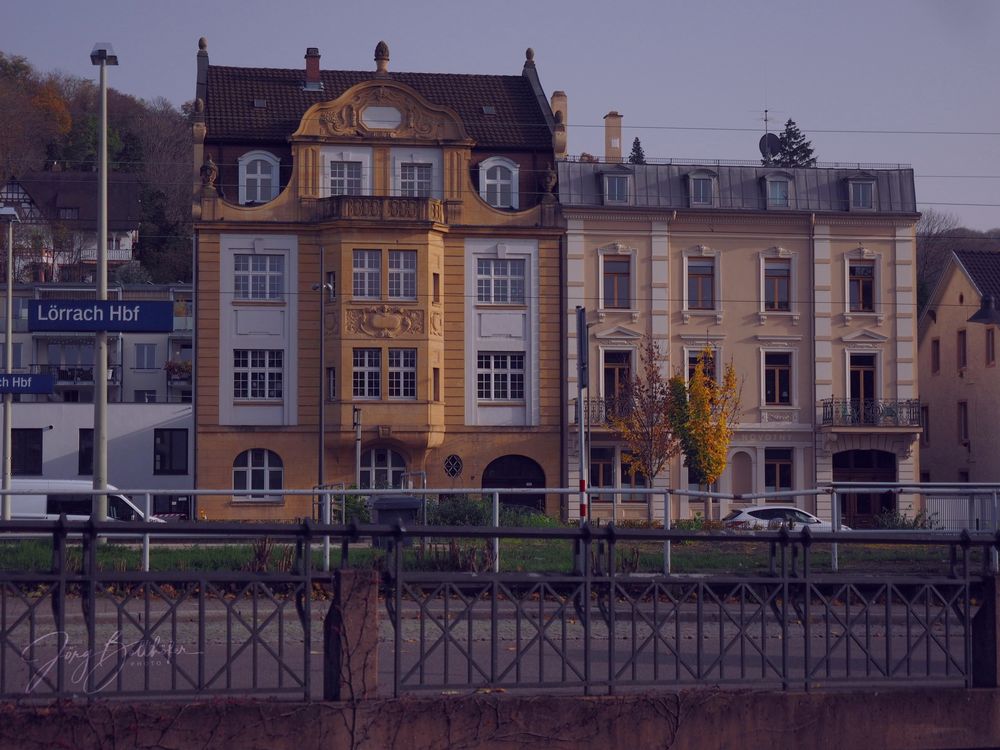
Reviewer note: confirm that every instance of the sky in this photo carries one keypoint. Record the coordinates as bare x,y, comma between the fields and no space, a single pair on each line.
873,81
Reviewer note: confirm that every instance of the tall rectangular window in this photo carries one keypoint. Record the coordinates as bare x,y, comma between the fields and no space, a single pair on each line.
258,374
258,277
170,451
935,356
500,377
345,178
777,193
925,423
403,274
861,285
701,284
707,360
331,383
367,374
616,188
367,274
777,469
701,191
500,281
991,347
85,452
961,350
26,452
145,396
415,180
403,373
963,422
617,283
777,378
145,356
862,196
777,285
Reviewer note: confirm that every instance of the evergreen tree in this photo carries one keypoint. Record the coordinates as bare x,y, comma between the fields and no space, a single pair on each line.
794,150
637,156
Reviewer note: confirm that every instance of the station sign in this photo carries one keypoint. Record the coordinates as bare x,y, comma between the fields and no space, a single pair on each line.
65,315
16,382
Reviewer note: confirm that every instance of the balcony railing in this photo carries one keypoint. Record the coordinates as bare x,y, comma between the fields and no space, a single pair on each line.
379,208
75,375
600,411
871,412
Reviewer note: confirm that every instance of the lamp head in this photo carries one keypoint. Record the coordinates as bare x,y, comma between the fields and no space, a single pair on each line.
103,53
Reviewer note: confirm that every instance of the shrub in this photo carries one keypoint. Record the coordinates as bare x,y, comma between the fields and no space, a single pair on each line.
893,519
459,510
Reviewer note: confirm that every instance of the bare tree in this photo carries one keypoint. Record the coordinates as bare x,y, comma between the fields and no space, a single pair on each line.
935,240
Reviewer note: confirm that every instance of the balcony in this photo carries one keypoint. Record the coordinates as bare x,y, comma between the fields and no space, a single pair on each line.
76,375
599,411
841,412
378,208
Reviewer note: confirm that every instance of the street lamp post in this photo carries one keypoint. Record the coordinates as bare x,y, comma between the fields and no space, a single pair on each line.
102,55
356,412
9,215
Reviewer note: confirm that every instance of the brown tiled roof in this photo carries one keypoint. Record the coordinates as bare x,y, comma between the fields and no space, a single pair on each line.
51,191
983,267
230,114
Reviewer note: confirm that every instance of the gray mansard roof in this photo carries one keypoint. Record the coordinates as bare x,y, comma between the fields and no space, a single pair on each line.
738,188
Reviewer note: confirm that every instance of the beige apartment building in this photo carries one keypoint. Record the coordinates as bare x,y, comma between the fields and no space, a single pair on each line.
804,278
378,280
960,386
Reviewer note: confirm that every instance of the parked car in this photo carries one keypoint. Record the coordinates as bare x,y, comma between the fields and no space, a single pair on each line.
775,516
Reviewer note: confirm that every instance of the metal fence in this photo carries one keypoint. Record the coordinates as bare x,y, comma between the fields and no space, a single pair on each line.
79,630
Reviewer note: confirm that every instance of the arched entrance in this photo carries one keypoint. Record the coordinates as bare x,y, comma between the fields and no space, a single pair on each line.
515,472
860,509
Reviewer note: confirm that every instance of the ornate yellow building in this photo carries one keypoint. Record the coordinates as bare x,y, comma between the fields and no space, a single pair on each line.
378,247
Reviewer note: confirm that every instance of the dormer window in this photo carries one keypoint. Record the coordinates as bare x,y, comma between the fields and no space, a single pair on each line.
701,188
258,177
498,180
778,189
862,194
615,188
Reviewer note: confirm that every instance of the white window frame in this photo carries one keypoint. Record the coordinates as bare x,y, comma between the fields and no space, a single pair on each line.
346,184
393,471
262,284
498,281
774,254
366,273
863,254
244,163
613,198
269,466
777,178
485,181
403,274
147,359
847,370
405,155
339,154
499,371
702,254
696,200
854,187
267,366
366,373
419,183
403,374
618,251
793,369
694,351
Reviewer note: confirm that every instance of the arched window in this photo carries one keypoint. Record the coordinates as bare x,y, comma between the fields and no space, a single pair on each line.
382,468
258,470
259,180
498,182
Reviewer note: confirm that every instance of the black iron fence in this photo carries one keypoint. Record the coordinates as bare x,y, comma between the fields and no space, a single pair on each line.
874,412
81,630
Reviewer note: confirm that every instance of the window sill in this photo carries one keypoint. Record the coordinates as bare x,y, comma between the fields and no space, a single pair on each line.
262,500
487,404
245,302
602,313
878,317
763,315
687,314
258,402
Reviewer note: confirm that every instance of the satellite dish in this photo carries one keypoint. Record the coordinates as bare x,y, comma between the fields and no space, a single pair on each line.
770,145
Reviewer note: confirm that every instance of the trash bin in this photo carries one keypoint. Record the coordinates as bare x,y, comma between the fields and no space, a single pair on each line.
387,509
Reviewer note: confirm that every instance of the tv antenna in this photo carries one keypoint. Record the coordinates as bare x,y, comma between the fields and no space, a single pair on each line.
769,143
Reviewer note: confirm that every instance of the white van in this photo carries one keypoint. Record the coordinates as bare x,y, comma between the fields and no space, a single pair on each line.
51,497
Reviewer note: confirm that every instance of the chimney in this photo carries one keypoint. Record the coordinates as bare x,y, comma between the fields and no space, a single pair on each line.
612,137
560,112
312,70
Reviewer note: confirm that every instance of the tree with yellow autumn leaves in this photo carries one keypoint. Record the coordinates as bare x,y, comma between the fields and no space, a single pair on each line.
672,415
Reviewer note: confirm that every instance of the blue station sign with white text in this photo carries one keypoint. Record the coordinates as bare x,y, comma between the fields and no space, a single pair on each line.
16,382
100,315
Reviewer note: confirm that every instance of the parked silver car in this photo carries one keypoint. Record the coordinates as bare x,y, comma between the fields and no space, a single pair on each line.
762,517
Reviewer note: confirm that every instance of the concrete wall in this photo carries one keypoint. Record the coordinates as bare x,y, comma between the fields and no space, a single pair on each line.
693,720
